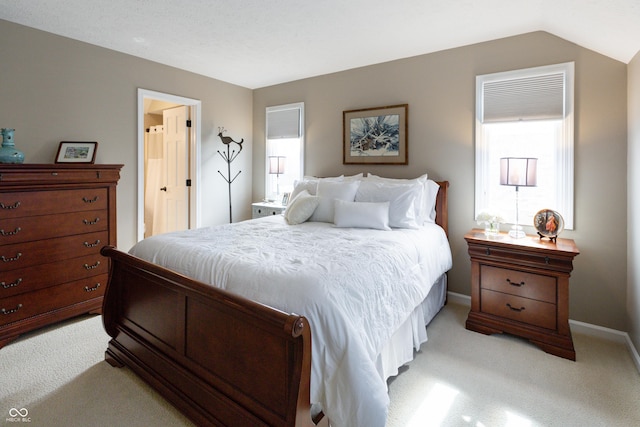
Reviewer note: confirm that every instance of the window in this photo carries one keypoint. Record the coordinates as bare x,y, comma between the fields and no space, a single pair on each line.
284,154
526,113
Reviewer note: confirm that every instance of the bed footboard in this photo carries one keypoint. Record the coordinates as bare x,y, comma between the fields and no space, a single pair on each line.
221,359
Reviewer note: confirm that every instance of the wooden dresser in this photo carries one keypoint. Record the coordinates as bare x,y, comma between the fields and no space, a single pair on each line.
521,287
54,219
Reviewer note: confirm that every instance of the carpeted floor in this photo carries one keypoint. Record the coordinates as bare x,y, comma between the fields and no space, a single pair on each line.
458,378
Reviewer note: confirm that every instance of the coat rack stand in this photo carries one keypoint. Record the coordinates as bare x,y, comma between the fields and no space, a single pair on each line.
229,157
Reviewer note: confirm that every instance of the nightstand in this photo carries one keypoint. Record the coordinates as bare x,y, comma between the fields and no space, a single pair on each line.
521,287
261,209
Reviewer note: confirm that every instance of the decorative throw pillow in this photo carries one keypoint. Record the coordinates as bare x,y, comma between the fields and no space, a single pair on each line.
422,210
328,191
362,215
301,208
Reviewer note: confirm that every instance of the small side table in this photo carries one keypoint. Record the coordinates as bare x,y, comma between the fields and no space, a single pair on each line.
261,209
521,287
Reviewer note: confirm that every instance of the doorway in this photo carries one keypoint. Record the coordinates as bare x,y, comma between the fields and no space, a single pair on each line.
168,172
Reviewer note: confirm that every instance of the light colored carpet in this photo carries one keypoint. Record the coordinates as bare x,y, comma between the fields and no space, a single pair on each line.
458,378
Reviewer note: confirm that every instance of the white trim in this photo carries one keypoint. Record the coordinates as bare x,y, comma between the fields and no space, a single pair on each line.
195,108
576,326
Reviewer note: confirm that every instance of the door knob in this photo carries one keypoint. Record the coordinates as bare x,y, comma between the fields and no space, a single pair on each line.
163,189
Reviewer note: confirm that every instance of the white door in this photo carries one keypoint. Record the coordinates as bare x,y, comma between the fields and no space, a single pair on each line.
174,193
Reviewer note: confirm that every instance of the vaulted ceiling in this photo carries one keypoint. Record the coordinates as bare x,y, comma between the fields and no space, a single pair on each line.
257,43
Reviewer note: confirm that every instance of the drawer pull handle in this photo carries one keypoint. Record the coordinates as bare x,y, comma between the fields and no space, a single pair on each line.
4,311
11,259
95,288
515,309
487,251
88,222
8,207
92,245
546,260
10,233
514,283
11,285
95,199
91,267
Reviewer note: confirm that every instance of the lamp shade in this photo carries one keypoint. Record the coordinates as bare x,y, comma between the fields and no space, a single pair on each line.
519,171
276,165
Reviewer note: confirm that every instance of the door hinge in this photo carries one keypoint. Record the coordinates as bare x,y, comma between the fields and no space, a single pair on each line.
188,123
188,183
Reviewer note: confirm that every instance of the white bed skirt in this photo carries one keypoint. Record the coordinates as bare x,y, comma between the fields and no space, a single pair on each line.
413,333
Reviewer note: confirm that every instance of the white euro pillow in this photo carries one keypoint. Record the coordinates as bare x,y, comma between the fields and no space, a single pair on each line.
403,199
301,208
362,215
422,210
328,191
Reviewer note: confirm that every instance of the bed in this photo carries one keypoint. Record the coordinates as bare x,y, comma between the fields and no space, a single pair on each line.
303,325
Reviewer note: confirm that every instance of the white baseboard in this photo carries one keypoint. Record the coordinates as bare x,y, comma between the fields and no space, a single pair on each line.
576,326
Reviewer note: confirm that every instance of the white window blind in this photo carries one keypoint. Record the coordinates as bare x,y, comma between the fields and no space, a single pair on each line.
283,123
539,97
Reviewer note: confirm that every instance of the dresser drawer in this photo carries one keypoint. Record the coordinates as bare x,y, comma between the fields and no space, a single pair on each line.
523,310
520,283
20,255
39,276
31,203
22,306
28,229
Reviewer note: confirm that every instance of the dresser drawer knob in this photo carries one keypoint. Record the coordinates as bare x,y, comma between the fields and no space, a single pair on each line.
11,259
515,283
546,260
91,267
95,288
8,207
6,285
515,309
95,199
487,251
10,233
88,222
4,311
92,245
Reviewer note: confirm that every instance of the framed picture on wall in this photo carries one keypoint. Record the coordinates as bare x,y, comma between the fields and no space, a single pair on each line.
77,152
375,136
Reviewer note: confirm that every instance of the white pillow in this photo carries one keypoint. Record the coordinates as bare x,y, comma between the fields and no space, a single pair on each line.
403,199
301,208
432,195
422,211
362,215
328,191
310,183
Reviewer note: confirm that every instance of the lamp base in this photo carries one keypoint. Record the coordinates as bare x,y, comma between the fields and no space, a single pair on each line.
516,232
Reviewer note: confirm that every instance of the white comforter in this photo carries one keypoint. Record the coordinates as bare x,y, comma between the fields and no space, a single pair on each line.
355,286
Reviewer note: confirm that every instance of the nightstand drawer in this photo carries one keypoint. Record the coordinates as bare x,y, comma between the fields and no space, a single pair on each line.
520,309
520,283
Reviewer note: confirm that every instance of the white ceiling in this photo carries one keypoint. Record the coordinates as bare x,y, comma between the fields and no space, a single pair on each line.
257,43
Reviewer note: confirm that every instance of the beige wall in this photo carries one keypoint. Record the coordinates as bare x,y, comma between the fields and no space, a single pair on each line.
56,89
633,211
439,89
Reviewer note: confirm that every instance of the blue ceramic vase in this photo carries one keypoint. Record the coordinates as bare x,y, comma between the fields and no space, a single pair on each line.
8,152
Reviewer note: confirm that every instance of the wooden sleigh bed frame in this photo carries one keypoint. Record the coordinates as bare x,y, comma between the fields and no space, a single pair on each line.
221,359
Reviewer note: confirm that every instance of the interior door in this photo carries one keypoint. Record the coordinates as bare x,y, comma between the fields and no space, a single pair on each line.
174,194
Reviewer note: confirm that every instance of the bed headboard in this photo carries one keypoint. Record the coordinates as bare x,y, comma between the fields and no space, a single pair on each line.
442,206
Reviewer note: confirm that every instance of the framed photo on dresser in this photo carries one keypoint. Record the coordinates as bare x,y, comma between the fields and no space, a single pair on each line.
77,152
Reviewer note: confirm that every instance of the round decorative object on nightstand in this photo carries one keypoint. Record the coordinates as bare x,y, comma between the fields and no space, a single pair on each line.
548,223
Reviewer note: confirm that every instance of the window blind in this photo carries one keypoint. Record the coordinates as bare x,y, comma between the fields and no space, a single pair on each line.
529,98
283,124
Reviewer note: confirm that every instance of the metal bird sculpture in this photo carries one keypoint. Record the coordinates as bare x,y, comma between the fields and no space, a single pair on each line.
226,140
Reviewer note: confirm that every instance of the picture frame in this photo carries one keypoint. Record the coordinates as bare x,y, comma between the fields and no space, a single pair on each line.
376,136
285,199
77,152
